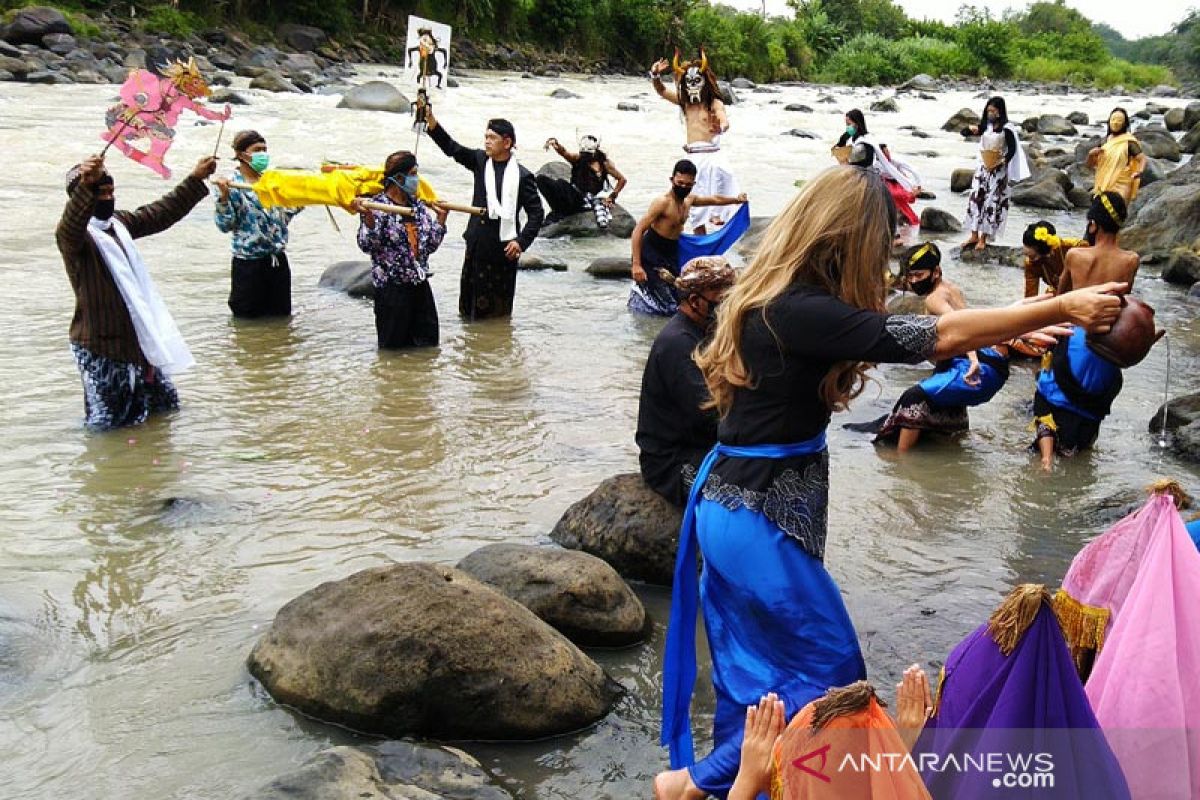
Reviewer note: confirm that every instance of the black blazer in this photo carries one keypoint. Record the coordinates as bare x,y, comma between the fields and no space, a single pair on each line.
476,161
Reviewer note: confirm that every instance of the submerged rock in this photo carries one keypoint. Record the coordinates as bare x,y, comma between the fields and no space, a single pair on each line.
1046,192
629,525
534,262
579,595
610,267
960,179
886,105
1003,255
424,650
351,277
396,770
798,107
563,94
800,133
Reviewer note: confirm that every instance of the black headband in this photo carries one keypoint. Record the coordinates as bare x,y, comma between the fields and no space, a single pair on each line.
502,127
403,166
75,175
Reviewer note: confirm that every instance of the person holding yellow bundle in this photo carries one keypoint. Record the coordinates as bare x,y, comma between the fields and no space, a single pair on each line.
1118,160
260,276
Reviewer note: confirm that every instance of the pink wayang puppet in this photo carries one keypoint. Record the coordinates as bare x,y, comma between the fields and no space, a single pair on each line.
149,108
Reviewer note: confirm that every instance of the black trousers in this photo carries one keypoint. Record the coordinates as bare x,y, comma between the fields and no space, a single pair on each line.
261,287
563,197
405,316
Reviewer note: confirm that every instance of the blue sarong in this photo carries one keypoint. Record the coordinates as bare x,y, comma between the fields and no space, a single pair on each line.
948,386
774,620
717,242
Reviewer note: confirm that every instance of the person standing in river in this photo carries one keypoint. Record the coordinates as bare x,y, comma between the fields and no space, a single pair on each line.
260,276
1001,164
495,240
399,247
655,241
793,343
124,340
699,100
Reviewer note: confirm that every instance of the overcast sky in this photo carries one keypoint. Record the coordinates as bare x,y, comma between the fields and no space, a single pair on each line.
1132,19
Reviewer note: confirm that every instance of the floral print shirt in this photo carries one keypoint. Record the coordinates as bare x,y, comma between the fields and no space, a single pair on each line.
257,231
390,248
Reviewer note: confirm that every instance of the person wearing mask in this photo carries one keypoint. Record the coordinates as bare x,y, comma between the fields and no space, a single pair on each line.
673,430
124,340
399,247
655,241
1118,160
260,276
1001,164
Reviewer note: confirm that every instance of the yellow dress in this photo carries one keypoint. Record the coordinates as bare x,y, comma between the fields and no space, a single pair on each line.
1114,170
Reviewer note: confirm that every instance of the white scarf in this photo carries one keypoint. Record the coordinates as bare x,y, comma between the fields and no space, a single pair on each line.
1018,167
503,208
157,334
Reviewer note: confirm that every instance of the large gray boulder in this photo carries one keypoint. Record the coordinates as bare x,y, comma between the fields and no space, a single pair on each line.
629,525
351,277
1182,426
29,25
424,650
579,595
936,220
919,83
1166,214
960,179
1077,118
59,43
961,119
1191,115
1174,118
1158,144
303,38
886,105
1055,125
1163,90
1045,191
583,225
1190,143
1183,267
395,770
376,96
272,81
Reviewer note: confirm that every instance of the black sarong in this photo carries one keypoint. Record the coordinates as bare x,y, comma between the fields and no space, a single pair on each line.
405,316
489,277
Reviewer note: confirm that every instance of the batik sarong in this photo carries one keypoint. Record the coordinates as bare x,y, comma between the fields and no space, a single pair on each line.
655,296
117,394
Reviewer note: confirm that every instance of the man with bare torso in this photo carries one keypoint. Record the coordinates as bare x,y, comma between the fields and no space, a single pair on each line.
699,100
1104,261
655,240
1077,385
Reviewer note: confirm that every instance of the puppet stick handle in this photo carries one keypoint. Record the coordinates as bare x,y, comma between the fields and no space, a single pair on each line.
116,135
220,134
473,210
387,208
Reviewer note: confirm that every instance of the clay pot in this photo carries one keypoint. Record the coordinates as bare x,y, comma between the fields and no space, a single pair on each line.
1131,337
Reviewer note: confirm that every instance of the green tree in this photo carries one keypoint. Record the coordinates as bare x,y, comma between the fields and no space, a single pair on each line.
988,40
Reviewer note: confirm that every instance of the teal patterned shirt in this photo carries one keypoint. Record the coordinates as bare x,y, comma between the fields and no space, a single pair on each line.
257,231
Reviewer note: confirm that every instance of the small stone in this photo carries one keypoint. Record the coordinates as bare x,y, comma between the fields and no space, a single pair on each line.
800,133
797,108
625,105
563,94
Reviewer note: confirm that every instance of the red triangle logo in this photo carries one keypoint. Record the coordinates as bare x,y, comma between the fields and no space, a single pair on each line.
801,763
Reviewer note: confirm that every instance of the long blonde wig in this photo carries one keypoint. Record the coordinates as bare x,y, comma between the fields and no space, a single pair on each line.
835,235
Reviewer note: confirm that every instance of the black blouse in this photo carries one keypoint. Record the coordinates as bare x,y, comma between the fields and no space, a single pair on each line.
805,332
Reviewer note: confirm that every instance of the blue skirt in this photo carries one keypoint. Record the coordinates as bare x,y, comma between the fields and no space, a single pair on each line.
775,622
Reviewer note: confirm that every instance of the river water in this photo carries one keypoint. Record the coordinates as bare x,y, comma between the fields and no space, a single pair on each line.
138,568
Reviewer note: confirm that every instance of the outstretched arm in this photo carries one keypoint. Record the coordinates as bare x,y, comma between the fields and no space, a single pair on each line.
205,111
466,156
562,151
155,217
720,200
664,91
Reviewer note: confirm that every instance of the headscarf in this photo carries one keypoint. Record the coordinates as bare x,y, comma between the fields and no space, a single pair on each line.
705,272
1011,688
1144,686
919,257
840,736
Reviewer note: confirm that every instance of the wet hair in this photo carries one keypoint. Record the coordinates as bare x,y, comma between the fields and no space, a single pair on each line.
1108,122
921,256
246,139
1029,238
684,167
1108,211
860,122
400,162
1001,107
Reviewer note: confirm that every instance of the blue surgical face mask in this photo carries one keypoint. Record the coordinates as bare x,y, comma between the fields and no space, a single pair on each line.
259,162
411,184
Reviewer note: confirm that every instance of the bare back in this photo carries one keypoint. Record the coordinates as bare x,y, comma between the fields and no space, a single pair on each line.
1091,266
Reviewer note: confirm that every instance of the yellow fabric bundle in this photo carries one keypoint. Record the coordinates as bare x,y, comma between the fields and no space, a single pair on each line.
337,187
